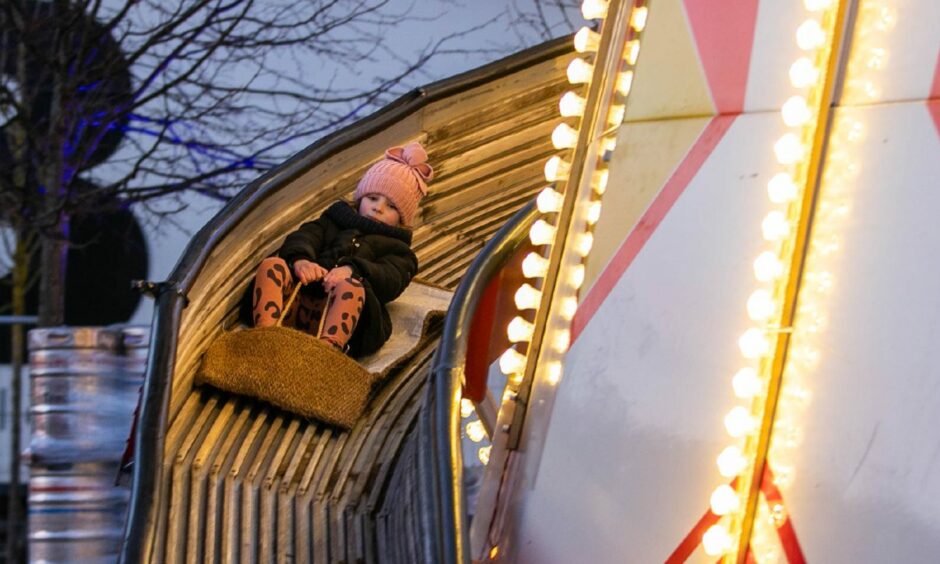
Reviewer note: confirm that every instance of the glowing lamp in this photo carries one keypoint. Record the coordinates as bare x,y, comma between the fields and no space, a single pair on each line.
775,226
579,71
746,383
593,213
767,267
602,176
553,373
571,105
631,51
760,305
586,40
561,340
817,5
576,276
568,307
564,136
541,233
803,73
616,114
789,149
753,343
731,462
594,9
527,297
520,330
724,500
484,454
512,362
638,18
781,189
624,82
466,408
716,540
556,169
549,200
475,431
810,35
739,422
583,243
795,111
534,265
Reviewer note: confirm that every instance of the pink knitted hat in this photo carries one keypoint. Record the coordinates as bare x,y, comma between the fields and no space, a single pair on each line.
402,177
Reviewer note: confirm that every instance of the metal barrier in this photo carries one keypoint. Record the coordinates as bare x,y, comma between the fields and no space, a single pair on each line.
84,385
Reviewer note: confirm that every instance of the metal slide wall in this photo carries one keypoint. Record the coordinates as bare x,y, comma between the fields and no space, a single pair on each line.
233,479
629,457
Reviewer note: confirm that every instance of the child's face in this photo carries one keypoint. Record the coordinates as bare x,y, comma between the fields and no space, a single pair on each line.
379,208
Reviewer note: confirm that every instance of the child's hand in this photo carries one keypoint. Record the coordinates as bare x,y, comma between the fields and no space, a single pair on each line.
336,276
308,271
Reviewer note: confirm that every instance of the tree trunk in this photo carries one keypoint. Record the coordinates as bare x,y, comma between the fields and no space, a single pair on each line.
52,265
15,527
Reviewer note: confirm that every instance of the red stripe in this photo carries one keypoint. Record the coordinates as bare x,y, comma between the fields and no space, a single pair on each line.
654,215
694,538
724,35
786,531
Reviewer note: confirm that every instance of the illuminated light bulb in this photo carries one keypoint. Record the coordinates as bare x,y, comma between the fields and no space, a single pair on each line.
600,179
534,265
594,9
767,267
616,114
789,149
520,330
731,462
571,105
753,343
795,111
810,35
746,383
579,71
632,51
739,422
561,340
803,73
638,18
475,431
556,169
584,243
724,500
760,305
569,306
541,233
593,213
549,200
817,5
564,136
527,297
484,454
577,276
586,40
775,226
512,362
716,540
624,82
781,188
553,373
608,144
466,408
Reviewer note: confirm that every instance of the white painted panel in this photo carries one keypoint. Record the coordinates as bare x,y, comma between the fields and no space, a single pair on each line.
867,475
628,464
775,49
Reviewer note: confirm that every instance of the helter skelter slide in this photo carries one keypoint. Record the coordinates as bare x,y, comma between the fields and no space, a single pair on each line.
716,323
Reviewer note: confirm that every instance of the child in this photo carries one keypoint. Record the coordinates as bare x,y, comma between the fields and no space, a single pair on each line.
361,253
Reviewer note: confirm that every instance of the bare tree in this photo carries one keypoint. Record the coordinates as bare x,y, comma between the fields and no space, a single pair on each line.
171,95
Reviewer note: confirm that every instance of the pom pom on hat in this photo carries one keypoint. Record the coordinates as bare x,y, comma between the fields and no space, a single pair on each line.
402,177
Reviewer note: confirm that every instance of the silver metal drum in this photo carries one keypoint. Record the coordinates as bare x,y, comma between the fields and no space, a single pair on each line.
82,394
76,514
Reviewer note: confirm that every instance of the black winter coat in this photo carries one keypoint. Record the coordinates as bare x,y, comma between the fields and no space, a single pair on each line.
379,255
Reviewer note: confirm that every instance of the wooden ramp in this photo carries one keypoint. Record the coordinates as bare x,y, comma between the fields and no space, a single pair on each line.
221,478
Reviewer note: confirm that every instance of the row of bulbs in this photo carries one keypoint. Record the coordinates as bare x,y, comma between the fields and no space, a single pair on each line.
777,229
535,266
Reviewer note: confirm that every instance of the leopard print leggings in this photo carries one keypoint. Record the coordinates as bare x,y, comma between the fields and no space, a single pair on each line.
274,284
